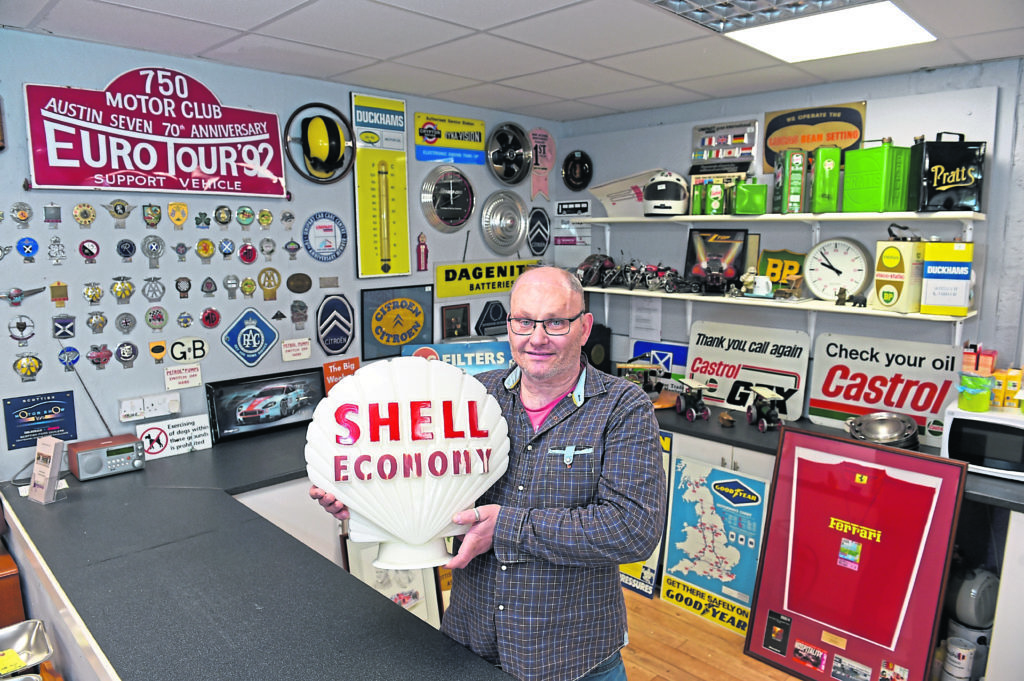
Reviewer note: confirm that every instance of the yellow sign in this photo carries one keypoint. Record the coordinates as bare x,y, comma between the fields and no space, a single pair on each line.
838,125
398,321
473,279
449,139
707,605
382,204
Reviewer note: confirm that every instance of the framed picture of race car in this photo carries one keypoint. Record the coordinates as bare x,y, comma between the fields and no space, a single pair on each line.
244,406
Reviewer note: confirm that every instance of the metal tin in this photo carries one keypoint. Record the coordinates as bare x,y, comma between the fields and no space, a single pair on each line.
884,428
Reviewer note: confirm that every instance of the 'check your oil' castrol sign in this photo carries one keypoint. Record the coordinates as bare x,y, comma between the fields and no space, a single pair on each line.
854,375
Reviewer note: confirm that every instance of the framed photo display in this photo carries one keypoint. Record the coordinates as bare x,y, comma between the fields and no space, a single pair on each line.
455,321
855,559
395,316
244,406
715,258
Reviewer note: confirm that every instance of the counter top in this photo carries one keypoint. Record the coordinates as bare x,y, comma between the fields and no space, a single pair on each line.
980,488
176,579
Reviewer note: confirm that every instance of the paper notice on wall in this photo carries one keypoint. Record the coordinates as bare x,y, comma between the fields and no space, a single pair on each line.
645,319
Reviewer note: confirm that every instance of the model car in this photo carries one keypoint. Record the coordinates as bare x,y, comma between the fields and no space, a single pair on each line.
690,402
272,402
763,410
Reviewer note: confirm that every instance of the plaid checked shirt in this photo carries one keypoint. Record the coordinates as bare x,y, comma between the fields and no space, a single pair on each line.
582,495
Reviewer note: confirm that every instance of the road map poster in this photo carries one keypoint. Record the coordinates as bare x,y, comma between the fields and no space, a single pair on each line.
715,524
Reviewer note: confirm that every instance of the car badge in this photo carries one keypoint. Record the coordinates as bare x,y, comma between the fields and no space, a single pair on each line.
99,355
158,350
335,324
93,292
299,313
55,251
287,219
267,247
126,353
231,285
96,321
21,328
248,287
250,337
226,247
152,213
68,357
153,289
15,295
538,231
27,247
51,215
89,249
4,250
125,322
22,213
421,252
181,248
203,221
300,282
205,248
185,319
119,209
222,216
59,293
156,317
177,212
84,214
248,253
245,216
265,218
292,248
153,247
63,326
27,365
210,318
269,280
278,316
122,288
126,249
324,236
182,285
208,287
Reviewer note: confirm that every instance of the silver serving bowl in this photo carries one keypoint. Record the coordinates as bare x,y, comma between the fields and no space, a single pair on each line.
884,428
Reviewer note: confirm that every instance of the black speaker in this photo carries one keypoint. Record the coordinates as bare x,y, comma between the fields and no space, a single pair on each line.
598,348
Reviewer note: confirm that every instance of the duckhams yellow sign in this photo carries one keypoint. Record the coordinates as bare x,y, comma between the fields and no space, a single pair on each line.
473,279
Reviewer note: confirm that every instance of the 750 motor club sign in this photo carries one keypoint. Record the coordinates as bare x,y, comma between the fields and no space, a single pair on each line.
154,130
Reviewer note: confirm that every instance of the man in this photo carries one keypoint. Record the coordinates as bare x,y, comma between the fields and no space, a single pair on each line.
535,584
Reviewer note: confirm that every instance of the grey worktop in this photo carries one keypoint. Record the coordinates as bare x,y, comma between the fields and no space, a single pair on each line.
176,580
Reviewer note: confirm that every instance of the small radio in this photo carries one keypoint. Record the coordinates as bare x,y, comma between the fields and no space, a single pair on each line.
90,459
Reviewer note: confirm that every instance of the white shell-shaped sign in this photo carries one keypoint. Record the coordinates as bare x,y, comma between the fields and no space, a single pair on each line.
406,443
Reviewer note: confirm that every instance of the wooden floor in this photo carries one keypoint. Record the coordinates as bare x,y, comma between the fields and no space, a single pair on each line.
667,643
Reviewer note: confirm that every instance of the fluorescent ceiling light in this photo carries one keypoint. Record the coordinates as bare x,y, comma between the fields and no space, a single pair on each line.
863,28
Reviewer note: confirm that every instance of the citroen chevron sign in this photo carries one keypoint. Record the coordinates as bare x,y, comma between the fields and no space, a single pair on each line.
335,324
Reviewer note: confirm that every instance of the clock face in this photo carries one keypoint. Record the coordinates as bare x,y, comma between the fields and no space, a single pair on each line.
447,198
837,263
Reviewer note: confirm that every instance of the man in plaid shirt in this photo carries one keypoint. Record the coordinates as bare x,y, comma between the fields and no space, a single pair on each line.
535,586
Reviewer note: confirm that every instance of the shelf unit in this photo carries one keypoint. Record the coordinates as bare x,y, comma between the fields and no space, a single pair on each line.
812,307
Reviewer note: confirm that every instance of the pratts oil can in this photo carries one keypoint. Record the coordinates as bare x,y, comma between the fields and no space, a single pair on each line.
946,175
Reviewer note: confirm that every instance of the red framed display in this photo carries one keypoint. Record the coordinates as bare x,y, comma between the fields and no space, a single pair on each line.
854,560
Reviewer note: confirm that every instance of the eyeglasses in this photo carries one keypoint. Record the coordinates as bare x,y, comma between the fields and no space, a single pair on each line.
521,326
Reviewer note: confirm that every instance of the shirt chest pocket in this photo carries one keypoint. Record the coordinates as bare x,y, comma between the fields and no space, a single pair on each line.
569,475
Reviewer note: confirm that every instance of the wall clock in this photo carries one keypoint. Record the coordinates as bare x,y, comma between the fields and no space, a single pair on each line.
447,198
837,263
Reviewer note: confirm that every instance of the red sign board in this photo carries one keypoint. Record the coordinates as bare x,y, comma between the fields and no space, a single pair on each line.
153,130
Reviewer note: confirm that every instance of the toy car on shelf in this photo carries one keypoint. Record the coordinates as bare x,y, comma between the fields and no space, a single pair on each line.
763,410
690,403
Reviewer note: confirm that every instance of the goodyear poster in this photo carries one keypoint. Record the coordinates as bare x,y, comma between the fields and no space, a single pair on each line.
715,524
382,204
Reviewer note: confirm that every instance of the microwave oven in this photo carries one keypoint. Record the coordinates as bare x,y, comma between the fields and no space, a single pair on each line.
991,442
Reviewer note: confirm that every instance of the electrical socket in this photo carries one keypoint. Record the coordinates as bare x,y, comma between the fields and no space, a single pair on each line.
149,406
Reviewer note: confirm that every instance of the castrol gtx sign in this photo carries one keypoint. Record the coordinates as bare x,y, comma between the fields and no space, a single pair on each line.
731,359
854,375
154,130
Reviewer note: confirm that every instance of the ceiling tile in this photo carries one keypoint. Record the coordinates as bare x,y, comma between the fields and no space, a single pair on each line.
481,15
884,62
748,82
992,45
362,27
946,18
89,20
563,111
283,56
404,79
485,57
645,98
709,56
601,28
578,80
241,14
491,96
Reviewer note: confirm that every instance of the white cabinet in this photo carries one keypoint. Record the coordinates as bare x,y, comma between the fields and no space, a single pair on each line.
746,461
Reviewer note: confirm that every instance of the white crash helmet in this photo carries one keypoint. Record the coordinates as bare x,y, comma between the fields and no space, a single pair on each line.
666,194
